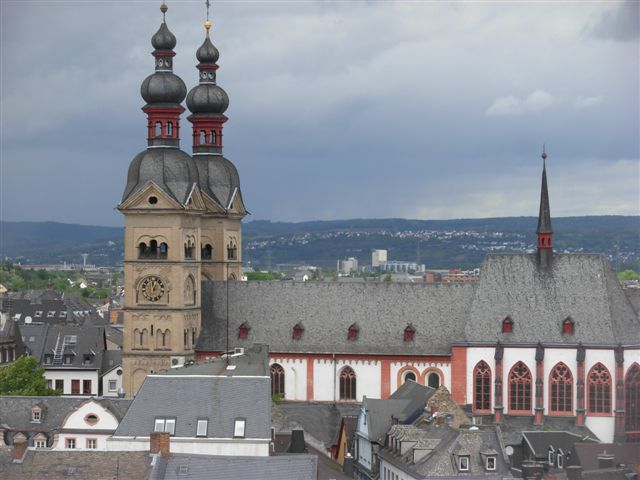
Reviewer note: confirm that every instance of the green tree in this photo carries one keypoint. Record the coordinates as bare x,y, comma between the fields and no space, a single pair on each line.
25,376
629,275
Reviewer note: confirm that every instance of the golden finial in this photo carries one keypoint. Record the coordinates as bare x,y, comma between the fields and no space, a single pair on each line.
207,25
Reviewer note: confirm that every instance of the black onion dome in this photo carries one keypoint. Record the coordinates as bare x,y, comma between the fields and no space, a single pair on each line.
171,169
207,53
207,98
163,39
218,176
163,87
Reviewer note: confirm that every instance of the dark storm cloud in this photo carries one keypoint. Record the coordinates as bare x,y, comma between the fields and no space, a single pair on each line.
428,110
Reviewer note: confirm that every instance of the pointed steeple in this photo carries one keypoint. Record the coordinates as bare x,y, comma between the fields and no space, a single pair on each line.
544,230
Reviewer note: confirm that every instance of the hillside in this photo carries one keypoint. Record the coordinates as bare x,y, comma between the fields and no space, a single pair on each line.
436,243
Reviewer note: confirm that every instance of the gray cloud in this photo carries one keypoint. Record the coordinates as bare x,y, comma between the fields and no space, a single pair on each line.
621,22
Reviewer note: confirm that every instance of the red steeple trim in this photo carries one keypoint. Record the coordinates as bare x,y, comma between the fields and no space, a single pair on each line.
163,122
207,131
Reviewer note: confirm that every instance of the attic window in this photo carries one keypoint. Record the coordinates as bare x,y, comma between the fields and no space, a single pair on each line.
409,333
36,414
91,419
297,332
463,464
167,425
353,333
38,314
551,457
567,326
239,427
490,463
243,331
201,430
507,325
153,200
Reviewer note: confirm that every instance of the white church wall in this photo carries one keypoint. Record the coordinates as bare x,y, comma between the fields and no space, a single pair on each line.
295,377
422,370
326,378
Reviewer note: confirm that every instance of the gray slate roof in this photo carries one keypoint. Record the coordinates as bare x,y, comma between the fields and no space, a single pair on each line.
512,427
281,467
183,397
540,441
381,310
580,286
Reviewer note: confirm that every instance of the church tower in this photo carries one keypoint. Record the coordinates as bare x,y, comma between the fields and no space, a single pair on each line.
544,230
162,206
221,233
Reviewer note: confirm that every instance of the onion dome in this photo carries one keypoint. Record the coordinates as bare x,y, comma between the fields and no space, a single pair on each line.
207,53
163,38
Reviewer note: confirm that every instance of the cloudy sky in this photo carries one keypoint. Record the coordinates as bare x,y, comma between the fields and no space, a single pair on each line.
338,109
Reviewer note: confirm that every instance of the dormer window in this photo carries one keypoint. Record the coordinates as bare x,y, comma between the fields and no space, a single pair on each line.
463,464
36,414
297,331
68,359
551,457
507,325
239,427
243,331
353,332
409,333
490,463
167,425
567,326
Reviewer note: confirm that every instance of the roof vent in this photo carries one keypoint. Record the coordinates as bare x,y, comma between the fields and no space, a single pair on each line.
238,351
28,320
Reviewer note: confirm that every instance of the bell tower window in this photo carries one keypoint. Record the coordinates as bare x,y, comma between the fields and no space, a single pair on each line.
158,132
232,251
203,138
207,252
213,137
169,129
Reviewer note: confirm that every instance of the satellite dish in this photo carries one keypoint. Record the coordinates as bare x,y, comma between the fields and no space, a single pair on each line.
27,319
508,450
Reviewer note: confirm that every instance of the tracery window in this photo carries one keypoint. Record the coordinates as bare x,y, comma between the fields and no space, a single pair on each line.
599,390
520,389
277,379
561,383
632,404
482,387
347,384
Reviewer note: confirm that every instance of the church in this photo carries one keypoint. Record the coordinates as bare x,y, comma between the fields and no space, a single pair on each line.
539,335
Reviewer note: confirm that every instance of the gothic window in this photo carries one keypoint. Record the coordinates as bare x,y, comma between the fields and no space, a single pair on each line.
409,333
243,331
520,389
561,383
482,387
352,334
189,291
143,252
188,249
203,138
347,384
169,129
277,379
185,338
232,250
507,325
599,390
567,326
158,132
297,331
632,404
213,137
163,250
207,252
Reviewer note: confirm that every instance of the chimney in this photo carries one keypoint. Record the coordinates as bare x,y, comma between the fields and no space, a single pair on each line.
159,442
605,460
19,447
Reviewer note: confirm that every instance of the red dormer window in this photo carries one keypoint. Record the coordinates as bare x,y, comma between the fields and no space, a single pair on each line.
507,325
353,332
297,331
567,326
409,333
243,331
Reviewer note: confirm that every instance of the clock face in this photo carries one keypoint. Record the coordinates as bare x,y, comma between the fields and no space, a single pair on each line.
152,288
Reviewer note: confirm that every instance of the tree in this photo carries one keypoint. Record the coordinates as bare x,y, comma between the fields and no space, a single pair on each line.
25,376
629,275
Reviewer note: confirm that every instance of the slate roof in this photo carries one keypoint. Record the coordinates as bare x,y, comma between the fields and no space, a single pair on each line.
580,286
65,465
90,341
110,360
540,441
15,411
254,361
382,310
281,467
586,454
34,336
181,397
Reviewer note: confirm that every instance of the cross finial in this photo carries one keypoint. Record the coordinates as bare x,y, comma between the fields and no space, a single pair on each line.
207,22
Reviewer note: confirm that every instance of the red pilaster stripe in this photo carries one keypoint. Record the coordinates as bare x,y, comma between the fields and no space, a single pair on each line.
309,379
459,374
385,378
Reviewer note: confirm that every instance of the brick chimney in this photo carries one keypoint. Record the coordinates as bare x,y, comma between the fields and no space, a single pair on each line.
19,447
159,442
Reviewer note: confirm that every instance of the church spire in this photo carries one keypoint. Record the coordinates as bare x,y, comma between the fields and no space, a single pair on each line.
544,231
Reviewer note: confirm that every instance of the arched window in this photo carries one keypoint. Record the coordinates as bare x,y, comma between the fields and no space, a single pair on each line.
352,334
161,340
213,137
142,250
409,376
599,390
277,379
297,331
231,250
567,326
482,387
189,291
520,389
185,338
632,404
137,339
561,383
433,380
163,251
409,333
347,384
507,325
153,249
188,249
158,132
203,138
169,129
243,331
144,338
207,252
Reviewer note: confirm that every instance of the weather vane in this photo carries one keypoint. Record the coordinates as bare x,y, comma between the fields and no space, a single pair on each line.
207,23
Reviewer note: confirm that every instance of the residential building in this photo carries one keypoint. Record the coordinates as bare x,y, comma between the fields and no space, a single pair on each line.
348,265
378,257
